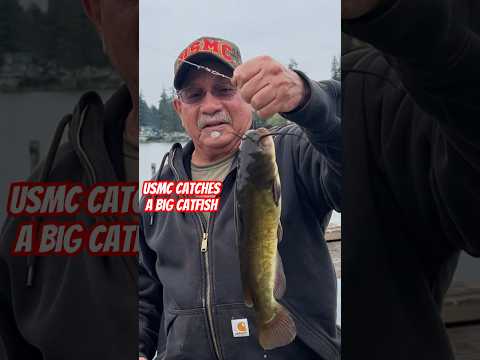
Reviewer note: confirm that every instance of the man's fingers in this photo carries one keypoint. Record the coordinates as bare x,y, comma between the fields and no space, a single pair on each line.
268,110
263,97
253,86
243,73
268,86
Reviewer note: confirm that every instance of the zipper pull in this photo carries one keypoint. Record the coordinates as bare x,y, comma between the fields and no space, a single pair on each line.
204,247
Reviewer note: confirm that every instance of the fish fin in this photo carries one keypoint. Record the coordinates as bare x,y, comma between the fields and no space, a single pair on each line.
280,284
247,295
280,331
279,232
276,188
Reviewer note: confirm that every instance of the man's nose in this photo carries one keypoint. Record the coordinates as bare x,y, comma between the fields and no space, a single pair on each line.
210,104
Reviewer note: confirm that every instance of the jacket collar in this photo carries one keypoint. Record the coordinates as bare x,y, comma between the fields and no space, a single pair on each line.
182,159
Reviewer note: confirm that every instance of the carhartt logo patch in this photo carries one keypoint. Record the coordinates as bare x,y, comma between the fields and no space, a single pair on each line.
240,328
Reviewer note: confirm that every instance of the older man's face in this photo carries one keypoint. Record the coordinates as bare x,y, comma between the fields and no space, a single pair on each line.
216,120
117,23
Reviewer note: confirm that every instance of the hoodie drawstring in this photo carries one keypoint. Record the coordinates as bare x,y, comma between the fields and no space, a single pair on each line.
43,178
165,157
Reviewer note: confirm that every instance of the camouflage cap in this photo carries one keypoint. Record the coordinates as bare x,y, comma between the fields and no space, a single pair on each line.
206,47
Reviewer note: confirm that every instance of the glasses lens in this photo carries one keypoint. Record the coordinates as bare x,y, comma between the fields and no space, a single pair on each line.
194,95
224,92
191,95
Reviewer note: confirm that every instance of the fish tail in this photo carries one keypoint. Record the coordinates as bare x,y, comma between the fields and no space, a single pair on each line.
279,331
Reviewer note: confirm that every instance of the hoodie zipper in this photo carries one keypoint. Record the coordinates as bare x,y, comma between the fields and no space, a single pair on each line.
206,301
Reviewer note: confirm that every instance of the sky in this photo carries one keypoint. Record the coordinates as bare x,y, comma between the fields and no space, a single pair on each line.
305,30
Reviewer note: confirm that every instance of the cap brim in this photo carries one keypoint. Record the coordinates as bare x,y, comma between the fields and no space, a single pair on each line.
184,68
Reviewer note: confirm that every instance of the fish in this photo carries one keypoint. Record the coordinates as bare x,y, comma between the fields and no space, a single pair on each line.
258,199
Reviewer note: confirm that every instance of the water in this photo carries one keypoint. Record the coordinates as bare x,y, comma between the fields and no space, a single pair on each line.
151,153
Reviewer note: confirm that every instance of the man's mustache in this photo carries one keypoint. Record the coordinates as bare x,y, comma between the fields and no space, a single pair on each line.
215,119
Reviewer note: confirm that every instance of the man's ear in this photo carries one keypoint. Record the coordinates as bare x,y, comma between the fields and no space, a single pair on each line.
177,106
93,10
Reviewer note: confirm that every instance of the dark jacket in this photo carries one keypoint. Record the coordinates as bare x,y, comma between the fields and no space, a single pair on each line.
199,294
412,176
72,307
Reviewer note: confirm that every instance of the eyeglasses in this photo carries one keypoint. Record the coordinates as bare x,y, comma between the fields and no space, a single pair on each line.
194,95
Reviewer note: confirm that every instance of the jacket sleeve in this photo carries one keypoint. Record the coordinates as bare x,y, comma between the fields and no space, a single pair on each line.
150,300
436,58
319,159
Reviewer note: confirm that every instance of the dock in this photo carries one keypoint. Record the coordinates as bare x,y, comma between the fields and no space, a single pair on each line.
333,237
461,312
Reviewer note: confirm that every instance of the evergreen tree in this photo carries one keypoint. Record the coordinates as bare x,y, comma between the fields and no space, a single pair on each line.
155,118
32,32
292,65
72,41
163,123
143,112
169,120
336,70
10,12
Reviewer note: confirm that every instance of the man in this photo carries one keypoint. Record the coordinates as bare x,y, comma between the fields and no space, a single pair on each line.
196,289
412,160
81,307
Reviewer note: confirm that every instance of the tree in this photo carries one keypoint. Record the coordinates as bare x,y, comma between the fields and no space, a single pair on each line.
10,12
163,112
292,65
169,120
32,33
144,116
336,70
72,42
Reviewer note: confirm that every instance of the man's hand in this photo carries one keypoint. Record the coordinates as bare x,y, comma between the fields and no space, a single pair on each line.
352,9
269,86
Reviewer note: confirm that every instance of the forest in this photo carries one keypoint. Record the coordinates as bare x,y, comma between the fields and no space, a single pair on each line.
63,34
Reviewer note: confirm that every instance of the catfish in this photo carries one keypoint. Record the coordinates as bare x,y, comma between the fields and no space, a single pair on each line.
258,197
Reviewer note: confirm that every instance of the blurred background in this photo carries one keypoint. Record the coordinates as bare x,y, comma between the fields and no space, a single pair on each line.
49,56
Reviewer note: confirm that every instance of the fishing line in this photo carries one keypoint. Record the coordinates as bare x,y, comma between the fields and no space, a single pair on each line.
245,136
207,69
